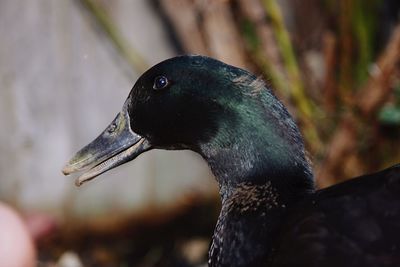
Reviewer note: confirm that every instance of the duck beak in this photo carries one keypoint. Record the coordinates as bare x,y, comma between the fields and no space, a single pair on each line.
116,145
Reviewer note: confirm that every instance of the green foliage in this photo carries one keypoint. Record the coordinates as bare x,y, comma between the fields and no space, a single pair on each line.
364,19
250,35
390,115
274,13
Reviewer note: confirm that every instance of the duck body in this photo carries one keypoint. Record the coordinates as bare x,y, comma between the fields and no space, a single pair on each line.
271,213
354,223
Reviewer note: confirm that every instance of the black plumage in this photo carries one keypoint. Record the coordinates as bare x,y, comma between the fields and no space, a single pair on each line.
271,213
354,223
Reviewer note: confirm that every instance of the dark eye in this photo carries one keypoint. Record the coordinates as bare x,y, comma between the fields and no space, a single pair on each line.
160,82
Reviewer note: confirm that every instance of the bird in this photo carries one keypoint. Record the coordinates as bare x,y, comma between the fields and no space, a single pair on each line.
271,212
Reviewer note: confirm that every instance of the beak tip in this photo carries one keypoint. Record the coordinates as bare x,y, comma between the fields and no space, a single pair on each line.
78,183
67,169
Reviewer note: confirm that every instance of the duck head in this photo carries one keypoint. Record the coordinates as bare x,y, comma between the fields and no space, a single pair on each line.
224,113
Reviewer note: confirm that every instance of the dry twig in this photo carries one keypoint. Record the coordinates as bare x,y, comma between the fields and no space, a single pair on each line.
185,19
369,100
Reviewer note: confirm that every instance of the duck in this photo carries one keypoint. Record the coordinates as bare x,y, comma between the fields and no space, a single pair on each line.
271,212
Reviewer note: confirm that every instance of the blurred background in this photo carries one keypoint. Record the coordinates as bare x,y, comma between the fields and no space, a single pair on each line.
67,67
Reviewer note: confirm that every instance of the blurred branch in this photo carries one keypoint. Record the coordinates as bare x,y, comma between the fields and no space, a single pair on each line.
297,92
133,57
346,51
207,28
369,100
342,144
303,103
221,33
377,88
364,28
184,18
329,49
263,48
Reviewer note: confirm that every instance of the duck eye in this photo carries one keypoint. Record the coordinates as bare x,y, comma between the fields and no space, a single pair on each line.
160,82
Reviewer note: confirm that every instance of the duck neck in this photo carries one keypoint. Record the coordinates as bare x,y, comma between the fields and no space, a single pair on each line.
246,227
250,217
258,180
249,158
